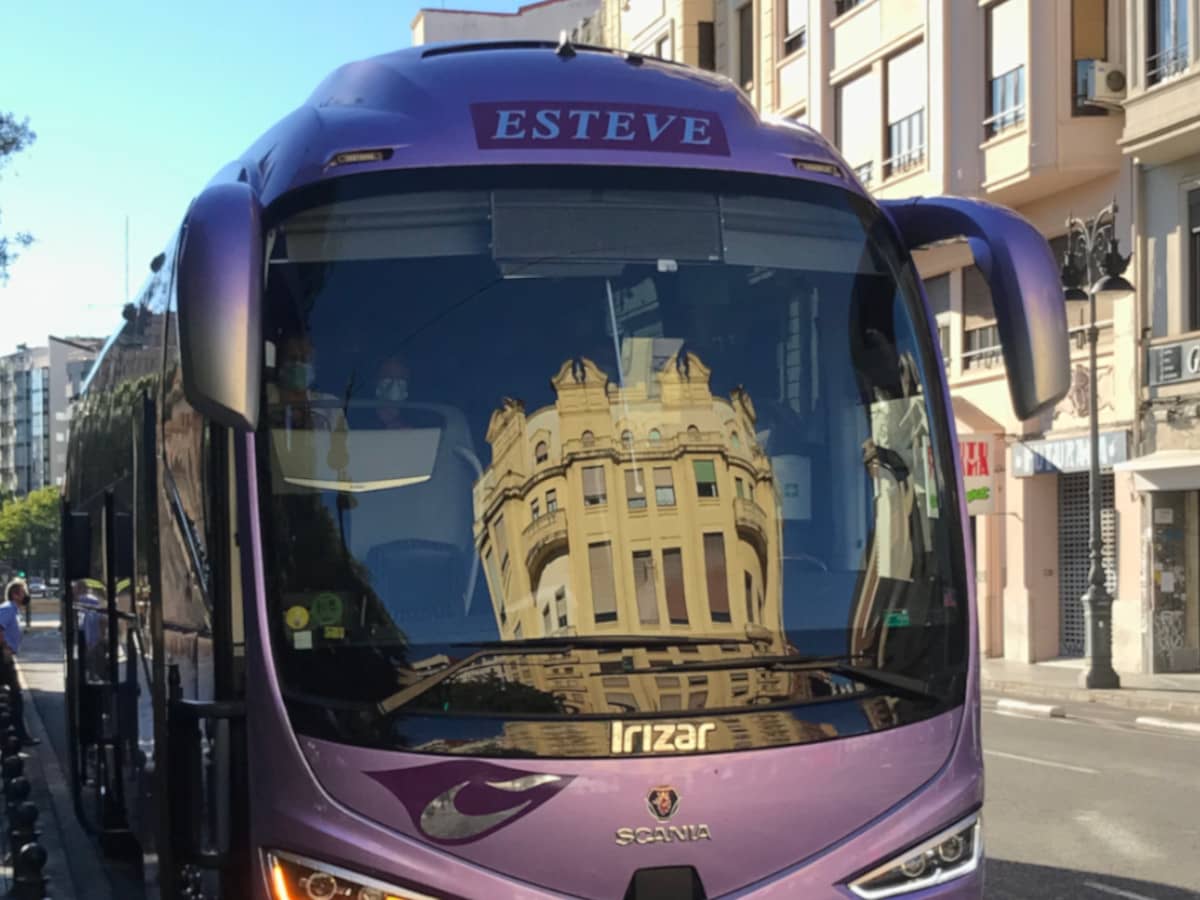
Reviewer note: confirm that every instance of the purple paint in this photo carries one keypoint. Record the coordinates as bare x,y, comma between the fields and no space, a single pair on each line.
597,125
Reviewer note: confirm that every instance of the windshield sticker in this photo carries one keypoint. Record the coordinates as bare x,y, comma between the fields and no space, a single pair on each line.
335,633
302,640
297,617
543,125
327,609
897,617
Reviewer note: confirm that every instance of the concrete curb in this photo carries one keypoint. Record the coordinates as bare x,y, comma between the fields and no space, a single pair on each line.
1152,722
1033,709
47,781
1135,699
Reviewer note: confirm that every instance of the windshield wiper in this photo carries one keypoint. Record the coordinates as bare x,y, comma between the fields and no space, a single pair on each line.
485,649
610,641
903,685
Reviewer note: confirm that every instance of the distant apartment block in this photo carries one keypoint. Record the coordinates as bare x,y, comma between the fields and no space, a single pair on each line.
37,385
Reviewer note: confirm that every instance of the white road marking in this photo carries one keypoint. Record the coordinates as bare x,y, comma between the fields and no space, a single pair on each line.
1042,762
1116,892
1170,724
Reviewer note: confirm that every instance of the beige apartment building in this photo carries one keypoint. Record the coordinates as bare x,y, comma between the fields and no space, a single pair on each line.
991,99
1161,138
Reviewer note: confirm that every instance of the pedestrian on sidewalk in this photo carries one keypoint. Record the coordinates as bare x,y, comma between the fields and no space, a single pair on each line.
15,596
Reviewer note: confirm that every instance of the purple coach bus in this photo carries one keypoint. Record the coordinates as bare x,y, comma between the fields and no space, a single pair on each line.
529,473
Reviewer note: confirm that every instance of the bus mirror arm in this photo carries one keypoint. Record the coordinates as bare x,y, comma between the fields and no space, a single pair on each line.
219,292
1023,277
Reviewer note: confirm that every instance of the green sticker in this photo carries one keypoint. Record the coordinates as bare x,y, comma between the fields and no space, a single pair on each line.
327,609
896,617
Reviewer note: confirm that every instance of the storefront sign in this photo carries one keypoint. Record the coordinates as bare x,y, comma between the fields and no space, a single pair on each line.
1171,363
1068,454
977,457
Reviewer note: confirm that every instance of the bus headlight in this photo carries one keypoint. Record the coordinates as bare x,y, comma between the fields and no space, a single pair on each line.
295,877
951,854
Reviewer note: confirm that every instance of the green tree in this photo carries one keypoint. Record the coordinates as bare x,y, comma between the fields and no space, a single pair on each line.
14,137
29,530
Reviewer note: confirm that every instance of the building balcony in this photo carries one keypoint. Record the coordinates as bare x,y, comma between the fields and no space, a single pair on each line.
751,522
1162,119
864,27
544,537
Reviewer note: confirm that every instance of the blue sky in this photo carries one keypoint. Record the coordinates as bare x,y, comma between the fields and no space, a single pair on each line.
136,105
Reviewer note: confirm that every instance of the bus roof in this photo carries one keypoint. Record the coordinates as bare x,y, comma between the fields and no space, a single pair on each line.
526,103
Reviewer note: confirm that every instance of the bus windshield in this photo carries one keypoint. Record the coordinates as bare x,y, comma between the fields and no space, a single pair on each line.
536,458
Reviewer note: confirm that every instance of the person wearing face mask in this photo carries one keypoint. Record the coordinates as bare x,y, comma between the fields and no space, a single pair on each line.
391,390
290,396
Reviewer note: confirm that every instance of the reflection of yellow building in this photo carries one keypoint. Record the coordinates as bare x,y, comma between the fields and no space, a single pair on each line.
647,509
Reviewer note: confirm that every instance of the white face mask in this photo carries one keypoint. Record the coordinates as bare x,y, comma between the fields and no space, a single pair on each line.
392,389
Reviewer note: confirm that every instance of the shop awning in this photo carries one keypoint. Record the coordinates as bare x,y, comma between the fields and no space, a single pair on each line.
1164,470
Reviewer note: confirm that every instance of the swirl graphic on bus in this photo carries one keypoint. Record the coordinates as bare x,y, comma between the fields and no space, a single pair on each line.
459,802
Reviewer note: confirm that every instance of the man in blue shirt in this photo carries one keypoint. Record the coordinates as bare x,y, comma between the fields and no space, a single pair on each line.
15,596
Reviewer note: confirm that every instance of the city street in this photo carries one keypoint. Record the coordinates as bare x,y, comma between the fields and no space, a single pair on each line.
1089,807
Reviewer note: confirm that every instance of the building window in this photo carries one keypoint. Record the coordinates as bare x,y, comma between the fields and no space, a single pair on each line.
604,592
1166,39
858,124
551,501
795,25
745,19
589,439
673,579
645,588
627,439
707,55
1089,41
1194,254
844,6
706,477
905,111
635,488
937,291
693,433
664,487
655,435
547,621
560,606
534,510
594,493
541,452
749,582
714,568
740,488
981,338
1007,38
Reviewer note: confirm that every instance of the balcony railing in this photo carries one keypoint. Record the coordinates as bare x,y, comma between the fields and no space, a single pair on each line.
1007,102
751,516
906,144
865,172
1166,62
543,535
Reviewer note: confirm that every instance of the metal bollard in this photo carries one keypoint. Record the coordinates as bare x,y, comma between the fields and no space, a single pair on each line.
28,881
12,767
23,829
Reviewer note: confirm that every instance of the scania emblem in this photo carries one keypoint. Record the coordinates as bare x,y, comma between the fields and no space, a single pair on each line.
663,802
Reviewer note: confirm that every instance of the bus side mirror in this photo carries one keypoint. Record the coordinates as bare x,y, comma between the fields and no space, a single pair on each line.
1031,314
219,289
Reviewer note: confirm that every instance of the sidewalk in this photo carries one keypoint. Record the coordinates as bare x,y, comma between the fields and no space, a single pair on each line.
74,865
1174,694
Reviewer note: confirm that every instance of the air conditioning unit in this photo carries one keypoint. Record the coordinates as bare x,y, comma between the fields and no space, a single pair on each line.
1105,84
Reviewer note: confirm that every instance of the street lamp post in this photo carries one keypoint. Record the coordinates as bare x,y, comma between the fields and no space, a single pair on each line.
1092,250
